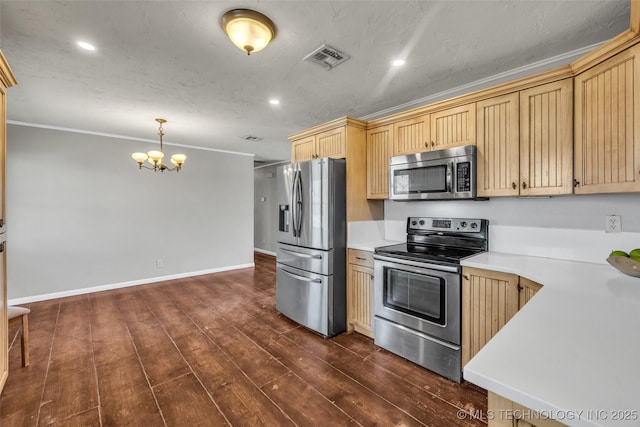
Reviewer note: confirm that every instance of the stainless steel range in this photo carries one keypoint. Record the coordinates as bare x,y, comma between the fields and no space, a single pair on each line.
417,291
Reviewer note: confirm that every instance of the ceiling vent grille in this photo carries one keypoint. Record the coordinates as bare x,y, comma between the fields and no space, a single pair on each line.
327,57
251,138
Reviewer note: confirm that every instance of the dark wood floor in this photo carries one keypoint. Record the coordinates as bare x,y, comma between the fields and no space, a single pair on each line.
212,350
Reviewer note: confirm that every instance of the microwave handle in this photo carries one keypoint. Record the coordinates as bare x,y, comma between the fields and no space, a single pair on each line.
450,171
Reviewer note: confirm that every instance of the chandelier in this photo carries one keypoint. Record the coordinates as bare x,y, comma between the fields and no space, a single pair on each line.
155,157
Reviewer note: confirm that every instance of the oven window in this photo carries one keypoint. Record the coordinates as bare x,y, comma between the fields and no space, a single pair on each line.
428,179
415,294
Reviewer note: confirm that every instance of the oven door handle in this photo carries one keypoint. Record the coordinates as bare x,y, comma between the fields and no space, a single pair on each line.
423,265
297,276
298,254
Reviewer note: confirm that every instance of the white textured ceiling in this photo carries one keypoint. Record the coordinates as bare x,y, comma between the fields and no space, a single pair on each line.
171,59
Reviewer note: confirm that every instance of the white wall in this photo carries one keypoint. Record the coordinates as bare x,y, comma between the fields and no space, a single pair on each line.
265,208
80,214
569,212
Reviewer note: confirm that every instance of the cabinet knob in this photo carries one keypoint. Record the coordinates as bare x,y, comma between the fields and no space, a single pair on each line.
524,185
465,277
361,258
513,185
1,222
576,182
433,144
426,144
1,247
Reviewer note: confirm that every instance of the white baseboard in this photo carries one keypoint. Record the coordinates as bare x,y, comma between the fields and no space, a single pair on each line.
262,251
73,292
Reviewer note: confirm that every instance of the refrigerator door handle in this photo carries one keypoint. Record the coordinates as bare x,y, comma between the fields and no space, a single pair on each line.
298,254
299,203
296,276
294,204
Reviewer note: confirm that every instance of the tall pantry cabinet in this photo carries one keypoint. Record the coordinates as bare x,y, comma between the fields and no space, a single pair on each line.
6,80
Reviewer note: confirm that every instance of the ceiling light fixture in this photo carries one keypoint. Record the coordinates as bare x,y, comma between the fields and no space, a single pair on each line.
274,101
155,157
251,31
398,63
86,46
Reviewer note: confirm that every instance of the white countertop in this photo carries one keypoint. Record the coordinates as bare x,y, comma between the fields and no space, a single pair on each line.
573,352
372,244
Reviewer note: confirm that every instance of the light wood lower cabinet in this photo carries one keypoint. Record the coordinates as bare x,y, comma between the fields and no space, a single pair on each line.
489,300
607,108
506,413
360,292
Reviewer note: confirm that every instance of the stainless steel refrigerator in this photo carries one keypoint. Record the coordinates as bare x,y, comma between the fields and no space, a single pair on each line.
311,250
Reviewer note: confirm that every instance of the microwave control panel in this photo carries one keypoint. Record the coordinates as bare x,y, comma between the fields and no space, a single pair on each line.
463,177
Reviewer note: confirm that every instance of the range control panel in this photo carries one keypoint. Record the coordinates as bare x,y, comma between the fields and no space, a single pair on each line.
466,225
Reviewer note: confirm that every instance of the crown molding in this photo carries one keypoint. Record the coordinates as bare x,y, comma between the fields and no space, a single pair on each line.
129,138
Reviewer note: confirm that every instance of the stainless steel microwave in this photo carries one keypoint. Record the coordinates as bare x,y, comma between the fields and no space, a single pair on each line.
434,175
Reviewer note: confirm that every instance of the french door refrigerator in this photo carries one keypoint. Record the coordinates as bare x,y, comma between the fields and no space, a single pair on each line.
311,249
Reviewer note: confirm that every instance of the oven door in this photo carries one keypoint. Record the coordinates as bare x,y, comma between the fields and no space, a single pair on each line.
423,297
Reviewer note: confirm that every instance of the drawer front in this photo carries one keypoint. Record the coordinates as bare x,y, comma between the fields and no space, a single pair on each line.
363,258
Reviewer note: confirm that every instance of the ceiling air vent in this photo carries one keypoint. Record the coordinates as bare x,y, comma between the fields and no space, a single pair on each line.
326,56
251,138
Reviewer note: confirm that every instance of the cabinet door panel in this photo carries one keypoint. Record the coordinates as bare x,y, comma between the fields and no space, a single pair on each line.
411,136
453,127
498,141
303,149
607,106
378,153
528,288
489,301
546,139
359,299
331,144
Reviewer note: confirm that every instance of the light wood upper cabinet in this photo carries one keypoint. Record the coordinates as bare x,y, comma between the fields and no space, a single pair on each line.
607,108
411,136
346,138
453,127
546,139
525,142
498,141
303,149
379,146
330,143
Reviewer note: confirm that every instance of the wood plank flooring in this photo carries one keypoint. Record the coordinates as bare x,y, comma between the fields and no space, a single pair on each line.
211,351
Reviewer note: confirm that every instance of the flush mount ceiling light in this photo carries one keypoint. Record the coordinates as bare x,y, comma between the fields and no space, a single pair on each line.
398,63
85,45
155,157
251,31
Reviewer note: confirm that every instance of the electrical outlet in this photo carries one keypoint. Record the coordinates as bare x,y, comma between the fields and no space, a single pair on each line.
159,263
612,224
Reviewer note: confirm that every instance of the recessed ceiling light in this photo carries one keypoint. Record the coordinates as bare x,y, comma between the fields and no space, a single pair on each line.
398,63
274,101
86,46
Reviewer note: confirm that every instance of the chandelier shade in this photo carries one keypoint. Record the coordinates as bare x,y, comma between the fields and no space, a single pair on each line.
154,157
